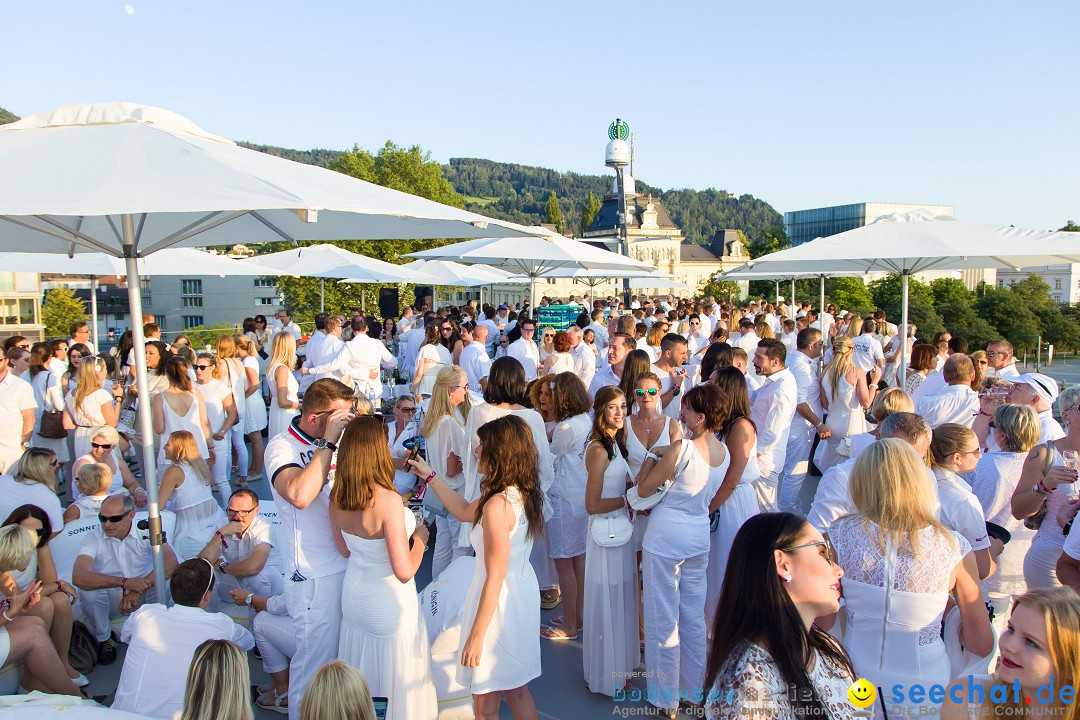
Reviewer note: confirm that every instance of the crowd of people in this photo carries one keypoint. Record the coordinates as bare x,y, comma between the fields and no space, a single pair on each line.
758,502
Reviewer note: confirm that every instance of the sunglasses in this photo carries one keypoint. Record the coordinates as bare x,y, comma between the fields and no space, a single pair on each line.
447,329
640,392
55,463
24,346
111,518
101,446
203,367
241,513
829,555
407,410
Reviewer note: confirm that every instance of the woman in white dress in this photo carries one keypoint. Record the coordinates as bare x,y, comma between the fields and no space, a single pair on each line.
230,370
920,365
500,650
559,360
49,394
610,651
845,395
547,344
675,551
736,500
432,358
767,655
157,356
284,389
89,405
568,527
403,427
181,408
444,434
996,478
382,633
221,415
105,449
647,428
185,491
255,419
900,566
1047,481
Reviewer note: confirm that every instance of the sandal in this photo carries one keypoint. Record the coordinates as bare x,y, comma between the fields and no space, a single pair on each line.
552,632
550,599
558,620
280,703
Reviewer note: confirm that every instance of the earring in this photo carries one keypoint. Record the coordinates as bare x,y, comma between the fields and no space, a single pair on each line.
787,577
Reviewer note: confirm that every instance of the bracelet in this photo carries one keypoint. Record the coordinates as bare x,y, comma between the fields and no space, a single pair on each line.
1039,492
59,586
9,619
430,477
221,537
1044,488
123,584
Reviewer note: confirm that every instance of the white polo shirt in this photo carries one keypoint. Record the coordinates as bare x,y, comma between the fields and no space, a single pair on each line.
161,643
259,532
307,541
960,509
954,404
16,395
475,362
867,352
130,557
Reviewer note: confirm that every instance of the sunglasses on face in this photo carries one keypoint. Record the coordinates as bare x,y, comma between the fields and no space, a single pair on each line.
829,554
111,518
101,446
240,513
55,463
640,392
202,367
447,329
24,346
407,410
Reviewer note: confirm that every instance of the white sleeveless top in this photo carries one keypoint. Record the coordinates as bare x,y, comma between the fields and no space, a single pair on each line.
679,525
189,421
636,450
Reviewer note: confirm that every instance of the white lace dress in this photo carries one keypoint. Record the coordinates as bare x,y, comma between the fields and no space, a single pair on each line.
996,477
750,685
894,601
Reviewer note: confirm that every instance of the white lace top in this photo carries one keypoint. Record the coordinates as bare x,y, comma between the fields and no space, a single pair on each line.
750,685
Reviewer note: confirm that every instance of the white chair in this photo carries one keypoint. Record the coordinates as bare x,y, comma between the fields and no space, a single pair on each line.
442,605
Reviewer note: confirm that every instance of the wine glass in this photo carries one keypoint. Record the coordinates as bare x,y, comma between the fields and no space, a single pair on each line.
1071,459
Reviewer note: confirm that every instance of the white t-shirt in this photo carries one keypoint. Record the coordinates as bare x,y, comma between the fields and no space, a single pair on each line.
867,352
213,395
15,494
16,395
259,532
960,509
307,541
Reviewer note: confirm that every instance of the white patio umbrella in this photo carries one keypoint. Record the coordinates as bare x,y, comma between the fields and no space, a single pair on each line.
534,257
128,180
329,261
596,278
918,241
455,274
174,261
745,272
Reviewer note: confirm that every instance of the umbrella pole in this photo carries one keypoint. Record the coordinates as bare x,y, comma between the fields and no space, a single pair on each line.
93,314
322,295
791,312
901,376
532,294
143,417
821,324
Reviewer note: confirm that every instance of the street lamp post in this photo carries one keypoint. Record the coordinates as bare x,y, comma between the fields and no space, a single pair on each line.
617,156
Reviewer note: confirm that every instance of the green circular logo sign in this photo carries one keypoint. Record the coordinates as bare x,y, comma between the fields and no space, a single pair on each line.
618,130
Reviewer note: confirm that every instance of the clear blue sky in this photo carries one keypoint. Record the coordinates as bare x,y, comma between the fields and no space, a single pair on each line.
802,104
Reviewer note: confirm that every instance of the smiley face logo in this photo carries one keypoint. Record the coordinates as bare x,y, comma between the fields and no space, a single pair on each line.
862,693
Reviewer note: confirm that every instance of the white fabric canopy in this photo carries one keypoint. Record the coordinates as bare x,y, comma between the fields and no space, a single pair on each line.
448,272
174,261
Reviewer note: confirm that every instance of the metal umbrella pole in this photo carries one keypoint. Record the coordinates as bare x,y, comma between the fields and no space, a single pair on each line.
94,314
900,378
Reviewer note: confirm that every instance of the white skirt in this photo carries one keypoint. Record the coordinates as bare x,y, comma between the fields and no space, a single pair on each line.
567,529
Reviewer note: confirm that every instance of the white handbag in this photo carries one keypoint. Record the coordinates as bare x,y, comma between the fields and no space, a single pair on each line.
612,529
639,503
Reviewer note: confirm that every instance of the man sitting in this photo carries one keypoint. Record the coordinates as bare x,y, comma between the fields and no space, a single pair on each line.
239,549
162,640
114,571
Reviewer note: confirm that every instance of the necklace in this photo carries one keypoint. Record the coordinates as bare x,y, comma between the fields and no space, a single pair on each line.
649,424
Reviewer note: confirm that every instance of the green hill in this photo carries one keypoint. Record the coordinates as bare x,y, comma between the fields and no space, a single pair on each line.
7,117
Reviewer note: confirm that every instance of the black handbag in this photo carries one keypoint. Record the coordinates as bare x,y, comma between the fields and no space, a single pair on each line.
52,425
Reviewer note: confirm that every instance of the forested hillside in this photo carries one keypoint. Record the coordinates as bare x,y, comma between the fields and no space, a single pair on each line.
7,117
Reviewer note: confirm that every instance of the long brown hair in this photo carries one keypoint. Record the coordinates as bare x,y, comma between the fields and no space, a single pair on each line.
731,380
608,437
363,462
510,460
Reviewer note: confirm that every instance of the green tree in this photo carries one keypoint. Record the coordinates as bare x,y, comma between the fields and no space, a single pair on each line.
554,212
720,289
60,309
1070,226
951,290
849,293
888,295
589,209
1010,315
772,240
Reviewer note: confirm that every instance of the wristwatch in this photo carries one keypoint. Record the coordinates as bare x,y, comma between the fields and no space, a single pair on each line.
222,565
324,444
675,390
247,600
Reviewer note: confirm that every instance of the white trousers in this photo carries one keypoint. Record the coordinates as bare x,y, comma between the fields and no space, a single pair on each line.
102,606
276,640
236,436
315,612
220,471
446,548
674,610
796,466
766,491
547,577
261,584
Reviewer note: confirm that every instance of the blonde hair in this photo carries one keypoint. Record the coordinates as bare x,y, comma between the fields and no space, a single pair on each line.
1060,609
217,683
890,400
88,380
225,346
841,362
184,449
95,478
337,691
949,439
890,488
17,544
764,330
108,432
248,345
1020,425
439,405
35,466
282,352
854,328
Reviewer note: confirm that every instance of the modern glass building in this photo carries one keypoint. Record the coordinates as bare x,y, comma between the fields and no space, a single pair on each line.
804,225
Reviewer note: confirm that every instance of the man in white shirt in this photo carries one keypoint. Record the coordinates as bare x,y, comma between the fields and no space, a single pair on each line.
474,359
697,340
673,378
298,463
240,550
17,406
524,350
502,320
868,351
773,321
790,337
488,321
600,333
162,641
620,346
1040,392
80,333
114,570
748,339
285,321
957,403
409,343
314,343
1001,361
361,359
833,497
584,358
406,320
807,422
772,410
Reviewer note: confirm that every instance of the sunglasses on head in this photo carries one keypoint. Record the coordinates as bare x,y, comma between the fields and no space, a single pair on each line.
111,518
640,392
101,446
